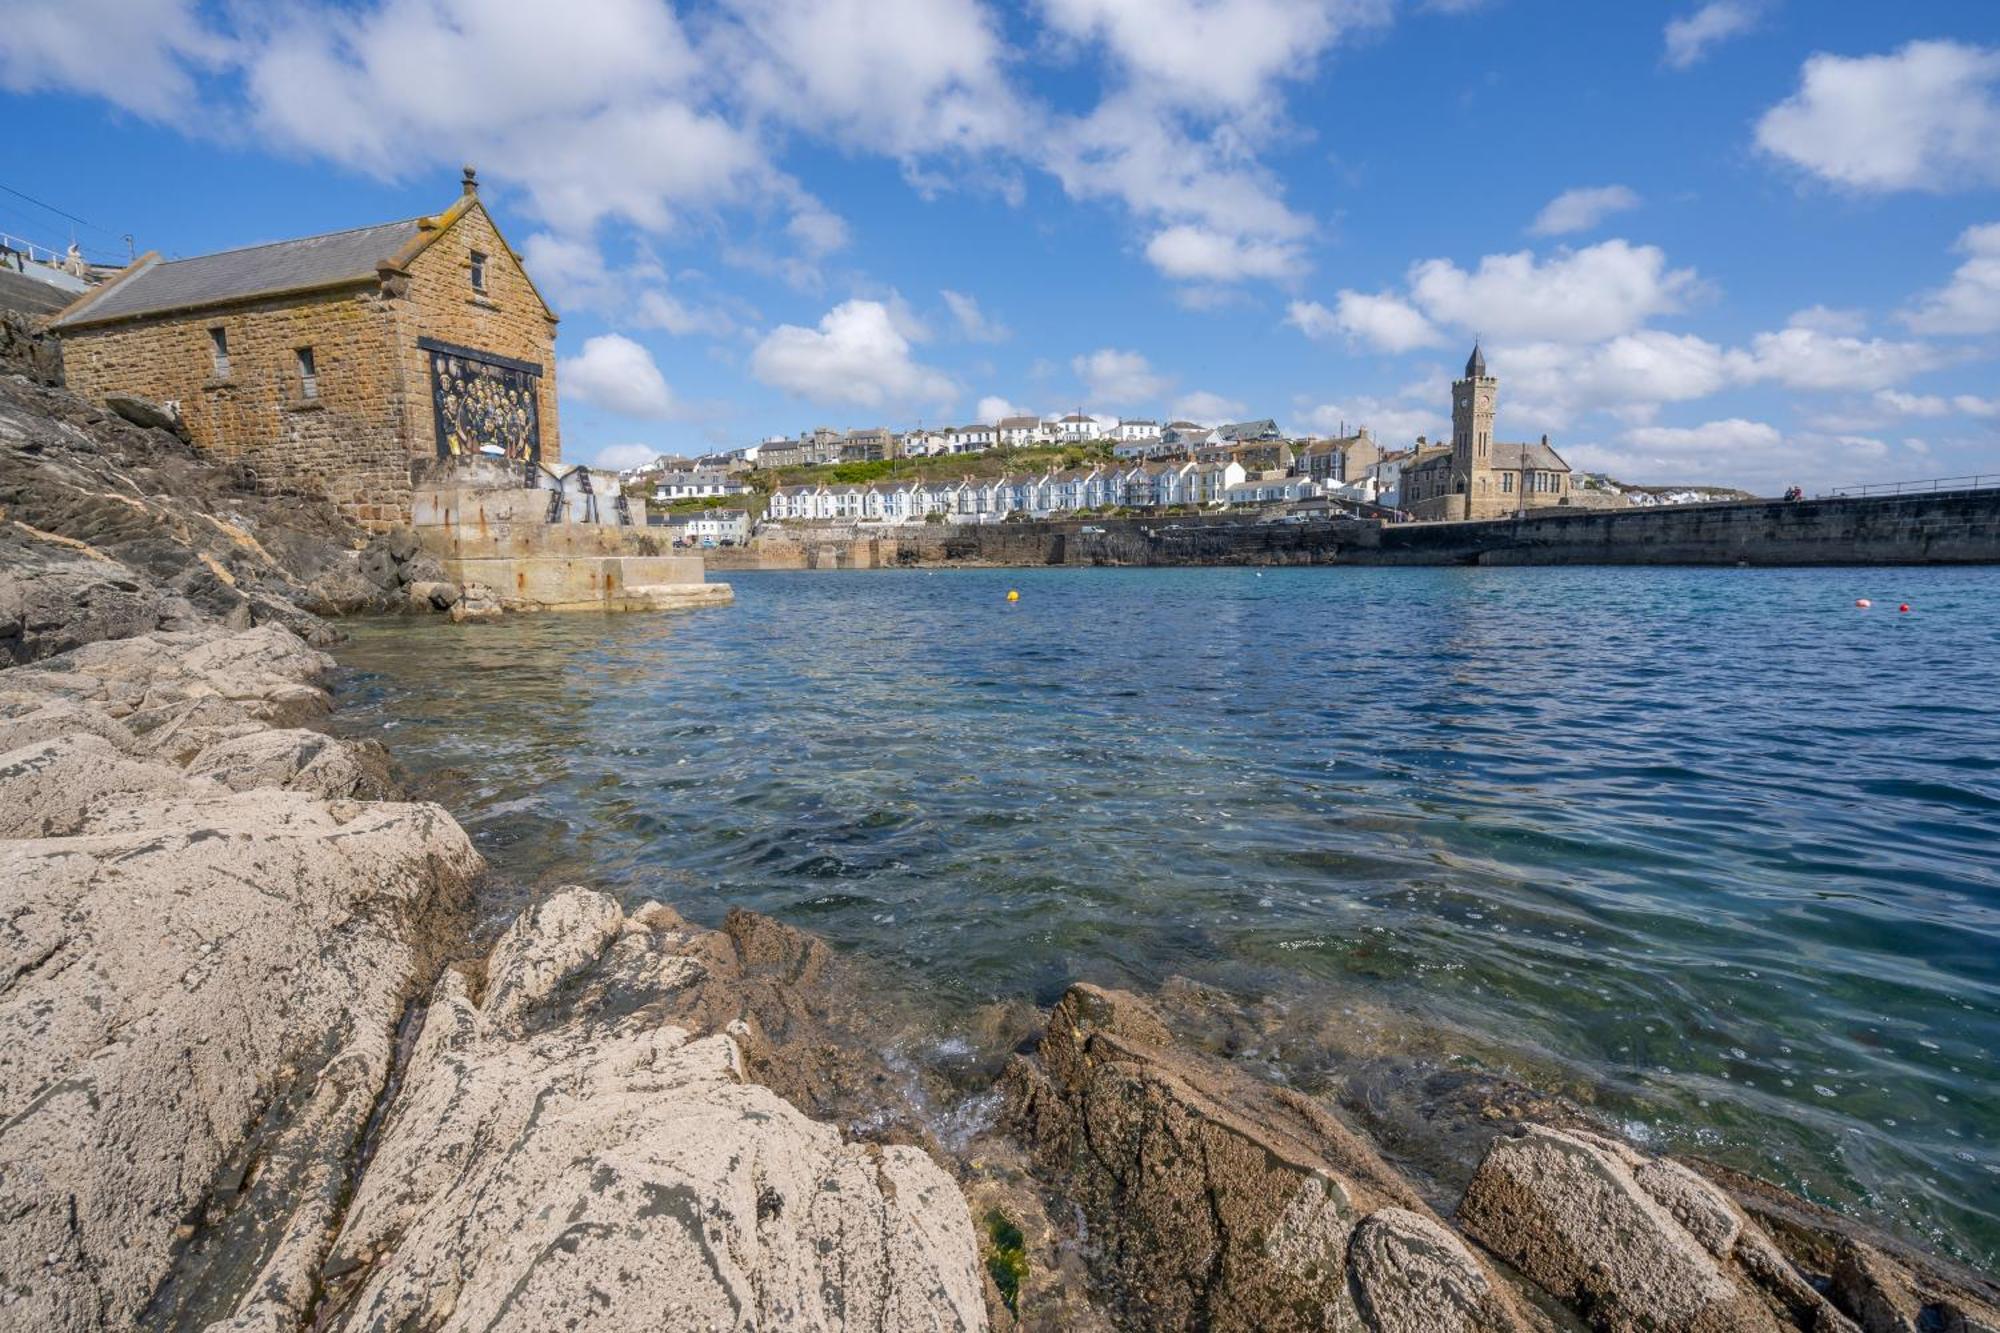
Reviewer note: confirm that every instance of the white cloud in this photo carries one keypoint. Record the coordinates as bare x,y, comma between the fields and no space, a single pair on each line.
973,323
1689,39
1197,254
857,356
1803,358
1973,406
1921,118
1732,436
618,457
658,308
1827,319
1970,302
1913,404
1208,409
893,76
1574,296
1551,384
1204,50
618,375
1733,452
818,230
1394,424
142,55
993,407
1383,321
571,273
1582,209
1119,378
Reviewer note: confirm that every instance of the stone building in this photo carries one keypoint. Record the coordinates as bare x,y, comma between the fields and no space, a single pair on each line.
1475,477
338,364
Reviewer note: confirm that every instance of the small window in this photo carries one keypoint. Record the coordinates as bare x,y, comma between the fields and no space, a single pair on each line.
218,345
308,374
478,271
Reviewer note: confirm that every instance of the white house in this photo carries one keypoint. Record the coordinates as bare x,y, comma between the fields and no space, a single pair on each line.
802,503
1017,432
695,484
1075,428
1272,490
974,438
710,525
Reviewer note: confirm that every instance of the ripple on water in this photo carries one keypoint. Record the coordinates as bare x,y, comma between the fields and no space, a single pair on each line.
1704,843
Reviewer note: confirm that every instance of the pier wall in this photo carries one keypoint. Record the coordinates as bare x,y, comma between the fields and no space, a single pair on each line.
1960,527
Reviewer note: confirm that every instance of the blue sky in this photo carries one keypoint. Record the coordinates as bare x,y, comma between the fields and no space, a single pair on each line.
1736,241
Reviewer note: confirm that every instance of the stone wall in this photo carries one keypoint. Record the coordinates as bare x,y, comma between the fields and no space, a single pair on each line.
508,318
347,444
1950,528
354,442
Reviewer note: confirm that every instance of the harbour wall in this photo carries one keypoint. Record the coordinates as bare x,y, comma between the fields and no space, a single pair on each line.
1954,527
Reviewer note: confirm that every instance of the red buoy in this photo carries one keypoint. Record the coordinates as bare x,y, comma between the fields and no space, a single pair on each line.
1904,607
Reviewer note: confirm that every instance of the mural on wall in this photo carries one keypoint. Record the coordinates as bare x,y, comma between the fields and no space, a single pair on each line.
484,404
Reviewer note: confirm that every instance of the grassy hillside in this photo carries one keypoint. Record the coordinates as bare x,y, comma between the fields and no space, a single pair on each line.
954,467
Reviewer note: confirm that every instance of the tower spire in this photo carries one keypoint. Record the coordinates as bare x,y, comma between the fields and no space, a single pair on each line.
1475,365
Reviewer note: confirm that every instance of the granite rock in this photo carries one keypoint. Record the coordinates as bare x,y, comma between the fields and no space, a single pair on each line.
1215,1201
560,1151
200,1016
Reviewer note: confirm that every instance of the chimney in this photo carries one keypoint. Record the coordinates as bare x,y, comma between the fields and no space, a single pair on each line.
471,181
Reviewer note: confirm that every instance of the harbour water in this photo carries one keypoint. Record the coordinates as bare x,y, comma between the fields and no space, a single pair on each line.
1713,850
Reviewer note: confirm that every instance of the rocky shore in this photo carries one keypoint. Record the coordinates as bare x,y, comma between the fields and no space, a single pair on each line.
259,1072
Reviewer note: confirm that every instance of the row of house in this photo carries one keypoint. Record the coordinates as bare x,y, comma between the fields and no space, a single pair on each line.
1131,438
990,499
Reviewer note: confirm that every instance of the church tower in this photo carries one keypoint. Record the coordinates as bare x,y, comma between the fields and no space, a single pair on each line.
1472,403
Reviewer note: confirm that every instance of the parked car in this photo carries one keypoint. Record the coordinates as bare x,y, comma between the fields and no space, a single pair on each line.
1088,529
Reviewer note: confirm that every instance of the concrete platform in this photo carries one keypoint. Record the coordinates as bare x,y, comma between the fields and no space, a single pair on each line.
547,550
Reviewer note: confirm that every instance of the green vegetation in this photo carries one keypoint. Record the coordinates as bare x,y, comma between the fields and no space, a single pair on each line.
1006,1258
948,467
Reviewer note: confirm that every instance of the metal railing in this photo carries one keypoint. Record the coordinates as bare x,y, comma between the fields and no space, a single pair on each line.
1984,481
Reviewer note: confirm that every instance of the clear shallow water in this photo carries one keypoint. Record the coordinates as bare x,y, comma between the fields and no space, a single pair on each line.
1713,847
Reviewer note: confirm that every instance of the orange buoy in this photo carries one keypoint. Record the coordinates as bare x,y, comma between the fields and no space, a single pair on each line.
1863,603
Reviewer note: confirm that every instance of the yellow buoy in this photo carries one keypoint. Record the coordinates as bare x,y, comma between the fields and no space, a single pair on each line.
1013,596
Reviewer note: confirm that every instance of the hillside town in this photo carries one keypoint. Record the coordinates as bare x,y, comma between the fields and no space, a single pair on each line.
1111,464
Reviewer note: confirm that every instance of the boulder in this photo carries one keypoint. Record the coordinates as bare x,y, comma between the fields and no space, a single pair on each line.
1214,1201
52,788
379,568
144,412
200,1015
54,605
1573,1212
267,672
1412,1274
27,717
423,567
559,1151
294,759
431,595
401,544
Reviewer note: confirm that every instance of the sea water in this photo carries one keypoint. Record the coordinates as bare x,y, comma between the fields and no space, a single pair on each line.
1716,850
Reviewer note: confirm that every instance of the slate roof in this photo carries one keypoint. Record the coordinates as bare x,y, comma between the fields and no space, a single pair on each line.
235,275
1512,457
31,294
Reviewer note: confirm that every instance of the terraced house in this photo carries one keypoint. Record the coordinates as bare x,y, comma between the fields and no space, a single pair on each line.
332,364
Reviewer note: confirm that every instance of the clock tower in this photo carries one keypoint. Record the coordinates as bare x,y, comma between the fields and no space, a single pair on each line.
1472,404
